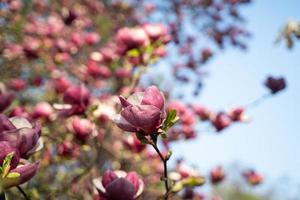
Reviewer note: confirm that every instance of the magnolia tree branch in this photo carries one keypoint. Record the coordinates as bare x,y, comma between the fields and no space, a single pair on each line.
165,178
2,196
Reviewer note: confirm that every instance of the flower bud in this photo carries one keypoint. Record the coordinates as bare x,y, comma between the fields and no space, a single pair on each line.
237,114
96,71
119,185
17,84
275,84
142,111
155,31
19,111
68,149
221,121
252,177
131,38
42,110
82,128
61,84
26,172
78,97
217,175
202,112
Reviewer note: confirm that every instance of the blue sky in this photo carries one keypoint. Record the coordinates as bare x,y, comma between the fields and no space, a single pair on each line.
270,142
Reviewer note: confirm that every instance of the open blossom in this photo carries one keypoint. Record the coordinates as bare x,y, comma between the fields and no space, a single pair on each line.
21,134
275,84
119,185
142,112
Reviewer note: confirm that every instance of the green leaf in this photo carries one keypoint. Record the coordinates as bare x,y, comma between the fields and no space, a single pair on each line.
7,160
133,53
142,138
169,155
170,120
193,181
13,175
177,187
171,115
6,164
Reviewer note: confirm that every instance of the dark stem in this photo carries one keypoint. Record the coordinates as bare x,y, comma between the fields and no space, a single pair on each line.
166,196
258,100
23,193
2,196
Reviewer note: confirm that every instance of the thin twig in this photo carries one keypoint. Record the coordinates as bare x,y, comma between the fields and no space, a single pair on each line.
166,196
2,196
23,193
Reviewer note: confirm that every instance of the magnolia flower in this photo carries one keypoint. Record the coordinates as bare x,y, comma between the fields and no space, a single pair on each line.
17,84
68,149
237,114
6,98
18,175
156,31
142,112
203,112
60,84
21,134
206,54
98,71
221,121
252,177
275,84
130,38
78,97
82,128
19,111
42,110
217,175
119,185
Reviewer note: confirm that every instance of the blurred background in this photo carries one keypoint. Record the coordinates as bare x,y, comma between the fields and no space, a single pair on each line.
270,140
234,75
